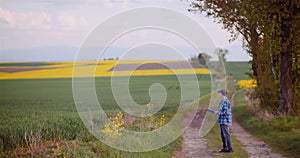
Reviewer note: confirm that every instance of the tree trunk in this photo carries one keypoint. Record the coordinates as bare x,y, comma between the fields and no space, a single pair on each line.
286,82
286,71
254,50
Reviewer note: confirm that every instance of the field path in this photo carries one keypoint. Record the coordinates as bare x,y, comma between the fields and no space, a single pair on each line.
254,147
193,146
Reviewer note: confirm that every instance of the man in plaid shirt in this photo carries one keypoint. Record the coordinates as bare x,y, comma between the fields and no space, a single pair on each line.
225,120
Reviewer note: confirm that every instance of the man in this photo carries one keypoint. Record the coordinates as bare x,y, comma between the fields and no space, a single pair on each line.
225,121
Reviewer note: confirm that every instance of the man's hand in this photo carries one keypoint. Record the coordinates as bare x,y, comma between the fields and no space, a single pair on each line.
216,112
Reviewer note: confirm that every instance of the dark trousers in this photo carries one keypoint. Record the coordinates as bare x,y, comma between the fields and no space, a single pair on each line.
225,137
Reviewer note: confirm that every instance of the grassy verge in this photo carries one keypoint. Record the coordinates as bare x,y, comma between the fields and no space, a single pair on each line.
65,148
281,133
97,149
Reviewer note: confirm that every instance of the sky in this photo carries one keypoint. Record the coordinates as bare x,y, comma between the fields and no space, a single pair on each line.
54,30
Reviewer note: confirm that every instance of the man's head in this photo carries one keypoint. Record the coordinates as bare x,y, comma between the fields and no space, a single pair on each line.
223,92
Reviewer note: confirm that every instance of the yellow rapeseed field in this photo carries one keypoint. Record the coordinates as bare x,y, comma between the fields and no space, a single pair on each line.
247,83
89,69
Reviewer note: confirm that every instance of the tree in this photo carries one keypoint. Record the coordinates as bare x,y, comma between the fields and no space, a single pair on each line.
204,59
270,30
221,54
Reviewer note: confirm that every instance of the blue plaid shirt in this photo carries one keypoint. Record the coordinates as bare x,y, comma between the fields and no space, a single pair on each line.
224,112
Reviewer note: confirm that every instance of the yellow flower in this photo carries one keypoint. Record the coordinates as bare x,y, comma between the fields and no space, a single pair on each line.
115,127
83,69
151,119
161,122
247,83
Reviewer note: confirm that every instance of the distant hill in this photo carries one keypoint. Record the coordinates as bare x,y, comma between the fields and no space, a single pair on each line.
55,53
66,53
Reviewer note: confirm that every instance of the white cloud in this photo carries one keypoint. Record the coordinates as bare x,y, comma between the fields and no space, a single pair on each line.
40,20
65,19
24,20
125,4
108,3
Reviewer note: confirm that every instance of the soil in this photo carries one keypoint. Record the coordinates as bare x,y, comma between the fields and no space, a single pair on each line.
193,146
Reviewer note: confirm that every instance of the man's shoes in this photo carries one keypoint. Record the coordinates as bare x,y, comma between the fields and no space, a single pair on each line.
222,150
225,151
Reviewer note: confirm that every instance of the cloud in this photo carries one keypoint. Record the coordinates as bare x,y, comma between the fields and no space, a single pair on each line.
40,20
24,20
125,4
108,3
65,19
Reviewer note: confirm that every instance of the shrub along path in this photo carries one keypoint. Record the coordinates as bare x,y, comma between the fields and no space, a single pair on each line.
254,147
